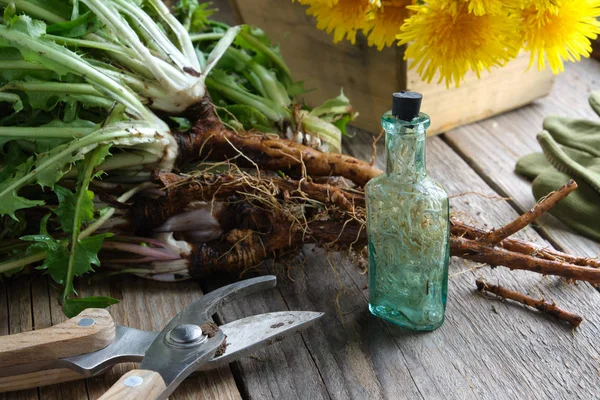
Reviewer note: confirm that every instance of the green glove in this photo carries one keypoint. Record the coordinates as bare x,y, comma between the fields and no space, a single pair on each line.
571,150
580,210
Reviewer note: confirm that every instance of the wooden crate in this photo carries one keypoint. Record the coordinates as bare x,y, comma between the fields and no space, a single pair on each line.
369,77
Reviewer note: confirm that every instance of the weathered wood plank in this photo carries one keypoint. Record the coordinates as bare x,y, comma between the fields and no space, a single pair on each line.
492,147
151,305
20,319
491,349
284,370
338,358
356,356
42,299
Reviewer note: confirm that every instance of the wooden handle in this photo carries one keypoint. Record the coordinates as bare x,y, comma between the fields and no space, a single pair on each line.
93,329
36,379
135,385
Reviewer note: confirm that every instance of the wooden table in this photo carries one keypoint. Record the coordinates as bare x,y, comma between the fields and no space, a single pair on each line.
486,349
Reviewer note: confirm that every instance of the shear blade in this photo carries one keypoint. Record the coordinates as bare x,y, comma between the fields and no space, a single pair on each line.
247,335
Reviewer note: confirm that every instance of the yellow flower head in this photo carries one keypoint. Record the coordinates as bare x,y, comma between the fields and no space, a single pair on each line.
450,42
344,19
328,3
479,7
385,22
559,31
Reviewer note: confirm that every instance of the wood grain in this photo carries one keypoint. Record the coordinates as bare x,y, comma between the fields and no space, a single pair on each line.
150,387
492,147
35,379
150,305
61,340
19,319
284,370
495,351
369,76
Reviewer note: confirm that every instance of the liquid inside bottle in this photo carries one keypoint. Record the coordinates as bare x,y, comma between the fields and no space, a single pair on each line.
408,230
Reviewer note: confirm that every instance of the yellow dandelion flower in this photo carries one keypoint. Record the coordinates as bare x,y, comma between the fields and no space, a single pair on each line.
344,19
385,23
327,3
479,7
451,43
561,31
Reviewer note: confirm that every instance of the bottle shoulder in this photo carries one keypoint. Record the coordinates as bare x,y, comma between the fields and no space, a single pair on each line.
389,185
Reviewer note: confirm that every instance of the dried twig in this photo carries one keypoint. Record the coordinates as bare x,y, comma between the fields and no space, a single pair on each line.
460,229
496,236
497,256
548,308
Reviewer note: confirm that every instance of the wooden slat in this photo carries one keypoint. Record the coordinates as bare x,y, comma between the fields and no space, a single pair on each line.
369,76
493,146
501,90
492,349
43,297
150,306
284,370
19,319
357,357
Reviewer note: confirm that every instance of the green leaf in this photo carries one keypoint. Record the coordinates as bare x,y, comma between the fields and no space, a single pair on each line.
338,105
84,253
248,116
57,259
32,27
297,88
194,15
72,307
342,124
81,26
47,177
183,124
10,11
67,201
10,201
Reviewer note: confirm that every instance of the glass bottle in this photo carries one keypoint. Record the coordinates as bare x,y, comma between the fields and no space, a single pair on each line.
407,225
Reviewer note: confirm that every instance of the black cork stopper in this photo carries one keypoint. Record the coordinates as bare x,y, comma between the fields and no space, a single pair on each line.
406,105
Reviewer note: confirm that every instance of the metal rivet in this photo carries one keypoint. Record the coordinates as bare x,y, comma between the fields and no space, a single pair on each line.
133,381
184,334
86,322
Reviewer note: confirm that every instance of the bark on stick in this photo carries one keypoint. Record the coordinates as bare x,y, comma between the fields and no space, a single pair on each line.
537,211
541,305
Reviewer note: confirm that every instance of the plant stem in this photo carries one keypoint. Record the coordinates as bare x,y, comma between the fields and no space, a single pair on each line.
266,106
108,212
260,46
75,64
44,132
199,37
19,262
35,10
91,44
81,194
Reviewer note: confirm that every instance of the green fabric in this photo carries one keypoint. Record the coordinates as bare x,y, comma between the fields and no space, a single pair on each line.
571,149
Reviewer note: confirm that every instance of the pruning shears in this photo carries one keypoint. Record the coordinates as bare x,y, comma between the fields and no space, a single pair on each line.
91,343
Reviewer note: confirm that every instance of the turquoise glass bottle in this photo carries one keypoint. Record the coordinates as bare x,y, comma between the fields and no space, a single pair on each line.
407,225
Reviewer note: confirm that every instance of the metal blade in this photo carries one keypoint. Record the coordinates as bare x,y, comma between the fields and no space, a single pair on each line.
246,335
181,347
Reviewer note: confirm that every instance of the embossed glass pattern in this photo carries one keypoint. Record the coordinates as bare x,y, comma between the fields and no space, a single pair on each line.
408,229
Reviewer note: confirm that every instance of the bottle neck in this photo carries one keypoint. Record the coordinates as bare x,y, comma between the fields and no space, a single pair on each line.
405,147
